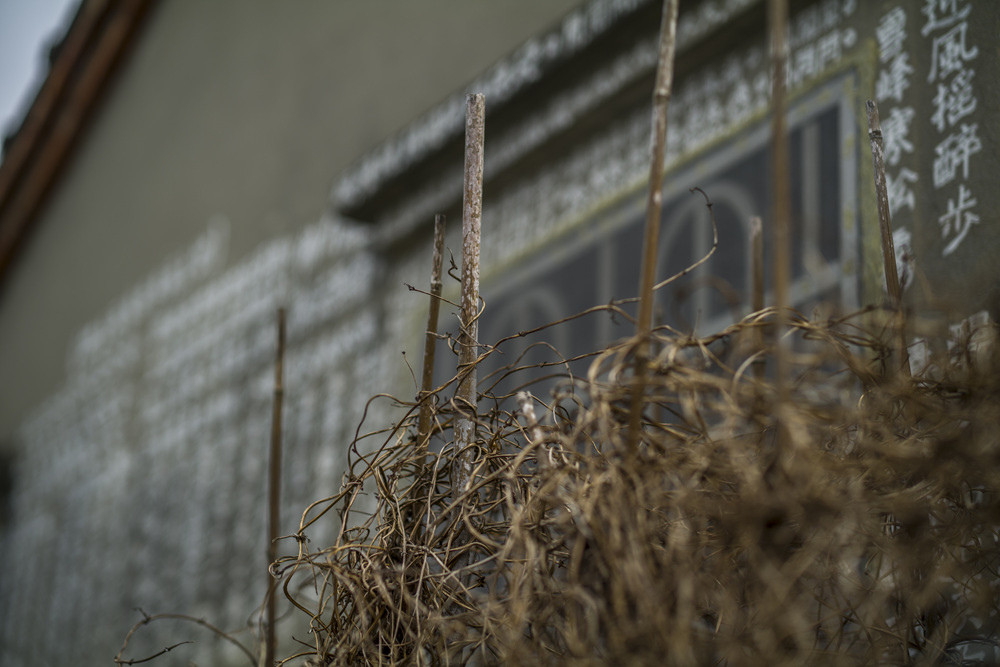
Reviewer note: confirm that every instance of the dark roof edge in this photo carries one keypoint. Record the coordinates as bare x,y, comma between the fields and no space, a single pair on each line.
85,60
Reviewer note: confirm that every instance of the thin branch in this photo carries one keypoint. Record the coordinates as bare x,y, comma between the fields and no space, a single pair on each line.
155,655
147,619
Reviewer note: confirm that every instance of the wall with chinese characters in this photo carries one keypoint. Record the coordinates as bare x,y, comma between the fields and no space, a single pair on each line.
140,475
936,64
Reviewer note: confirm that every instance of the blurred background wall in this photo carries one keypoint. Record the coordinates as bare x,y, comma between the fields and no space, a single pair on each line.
191,167
223,126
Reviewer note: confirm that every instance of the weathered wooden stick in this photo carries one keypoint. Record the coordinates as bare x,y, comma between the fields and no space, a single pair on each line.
466,401
780,192
654,204
756,264
654,198
780,189
427,381
274,487
892,284
757,283
472,212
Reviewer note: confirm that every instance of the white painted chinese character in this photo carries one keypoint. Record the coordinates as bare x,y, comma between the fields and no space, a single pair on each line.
674,147
711,83
831,14
739,106
957,221
920,356
687,95
902,244
807,26
574,30
687,25
805,66
696,131
828,49
894,81
982,336
687,130
898,190
891,33
762,89
714,116
732,71
949,53
954,152
896,129
942,14
954,101
710,14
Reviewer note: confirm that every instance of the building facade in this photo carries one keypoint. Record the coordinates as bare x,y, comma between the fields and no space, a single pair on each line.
137,316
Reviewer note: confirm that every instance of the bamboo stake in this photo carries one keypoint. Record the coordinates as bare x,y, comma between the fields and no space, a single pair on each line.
654,204
427,381
466,400
274,488
892,285
472,212
780,191
757,282
756,264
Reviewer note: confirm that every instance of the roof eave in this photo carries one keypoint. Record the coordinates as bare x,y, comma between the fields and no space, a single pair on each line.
91,51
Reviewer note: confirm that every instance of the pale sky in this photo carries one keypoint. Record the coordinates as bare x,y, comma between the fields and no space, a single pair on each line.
27,29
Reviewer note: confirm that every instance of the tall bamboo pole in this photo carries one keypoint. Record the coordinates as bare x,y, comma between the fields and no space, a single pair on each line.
892,286
472,213
757,284
756,264
780,191
427,381
274,487
654,204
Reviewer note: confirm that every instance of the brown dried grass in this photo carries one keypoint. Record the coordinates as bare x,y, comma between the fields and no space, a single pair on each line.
855,524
